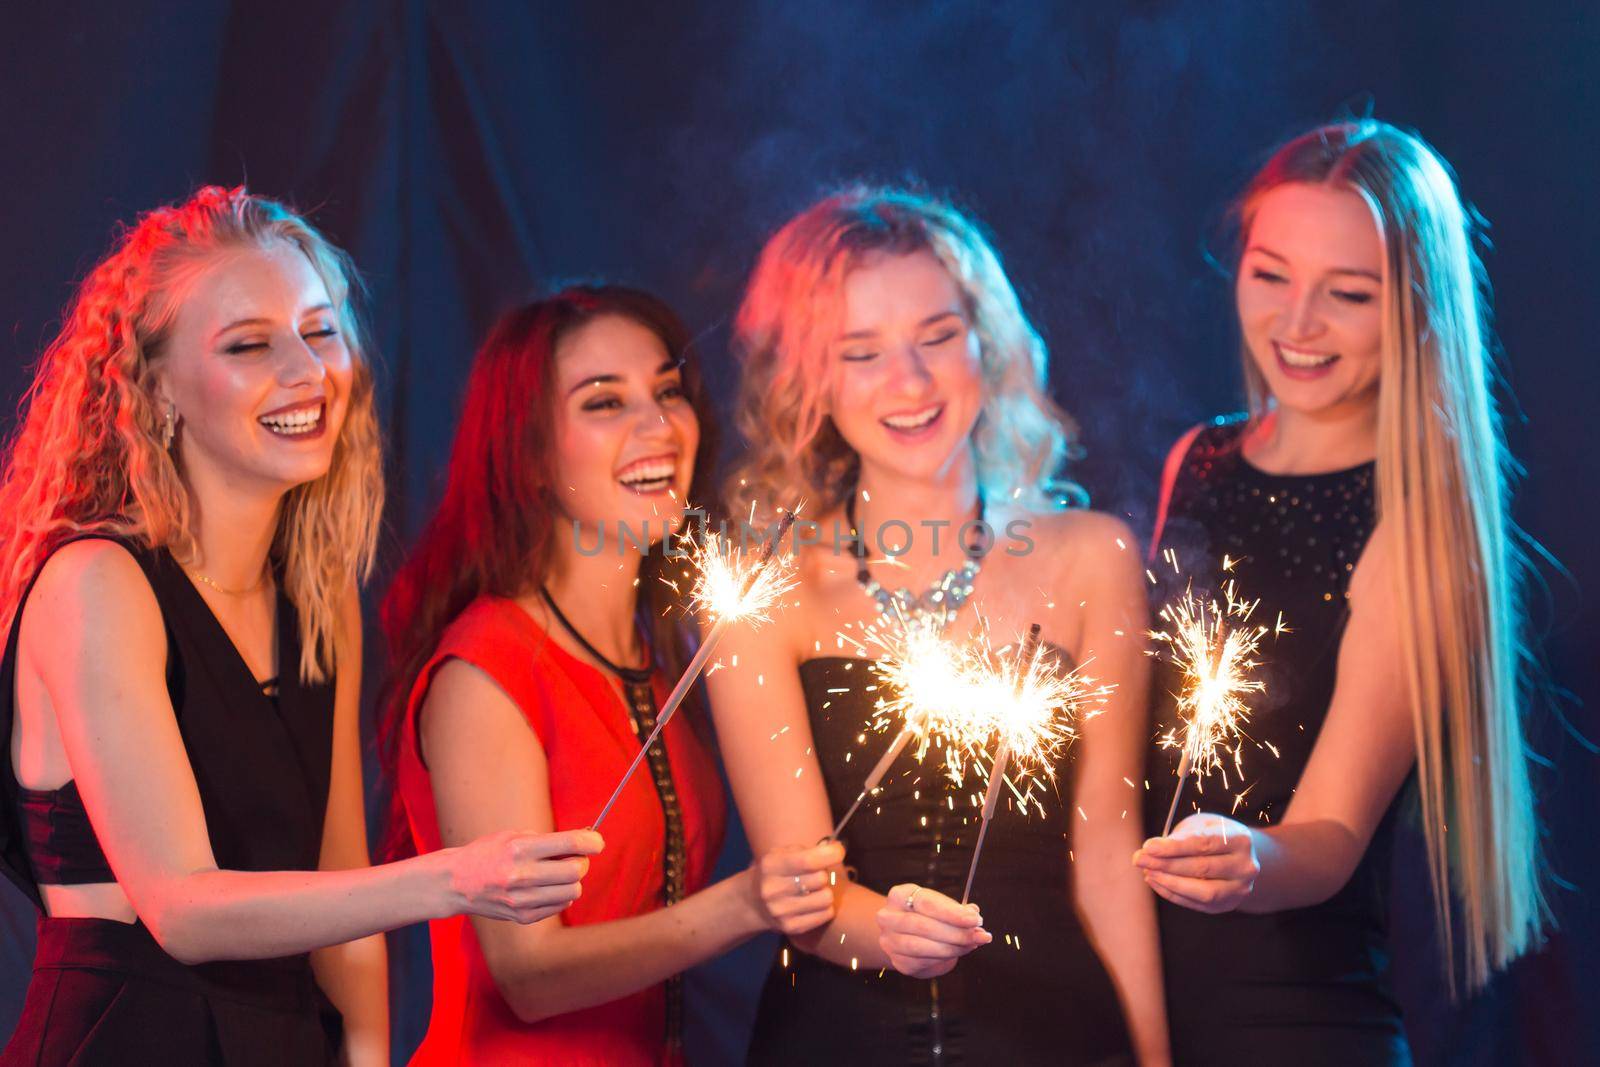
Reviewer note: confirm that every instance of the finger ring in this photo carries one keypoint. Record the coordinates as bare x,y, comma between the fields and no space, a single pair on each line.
799,890
911,898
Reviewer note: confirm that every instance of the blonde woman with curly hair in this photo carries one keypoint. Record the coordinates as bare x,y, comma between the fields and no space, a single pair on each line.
1364,495
893,384
193,492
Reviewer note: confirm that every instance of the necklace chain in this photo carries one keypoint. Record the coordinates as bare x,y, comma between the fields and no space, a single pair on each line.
219,587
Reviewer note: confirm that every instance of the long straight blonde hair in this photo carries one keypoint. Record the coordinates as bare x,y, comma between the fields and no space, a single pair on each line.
791,311
88,455
1443,476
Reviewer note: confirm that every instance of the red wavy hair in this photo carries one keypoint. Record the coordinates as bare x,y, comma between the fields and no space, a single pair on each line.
494,526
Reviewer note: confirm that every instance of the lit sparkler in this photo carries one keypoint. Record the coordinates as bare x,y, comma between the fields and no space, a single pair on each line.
729,588
1213,644
1032,706
933,693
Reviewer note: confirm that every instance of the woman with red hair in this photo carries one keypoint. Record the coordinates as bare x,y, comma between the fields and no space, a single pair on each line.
534,638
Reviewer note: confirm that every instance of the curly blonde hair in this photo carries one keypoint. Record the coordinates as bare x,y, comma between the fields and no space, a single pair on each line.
792,309
88,454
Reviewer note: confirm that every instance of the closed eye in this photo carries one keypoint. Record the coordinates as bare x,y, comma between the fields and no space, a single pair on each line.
326,331
858,357
941,339
1262,274
1351,297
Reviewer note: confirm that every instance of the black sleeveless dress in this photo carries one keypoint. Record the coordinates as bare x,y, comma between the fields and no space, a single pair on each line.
1308,986
1037,994
104,992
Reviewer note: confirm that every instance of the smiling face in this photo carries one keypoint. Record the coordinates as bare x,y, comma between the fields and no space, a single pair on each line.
906,368
258,371
626,433
1308,296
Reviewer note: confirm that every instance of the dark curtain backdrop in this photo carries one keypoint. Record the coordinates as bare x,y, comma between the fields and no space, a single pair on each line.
470,153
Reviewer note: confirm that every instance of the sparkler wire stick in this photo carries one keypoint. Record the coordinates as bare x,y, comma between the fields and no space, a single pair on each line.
991,800
1183,776
692,672
873,779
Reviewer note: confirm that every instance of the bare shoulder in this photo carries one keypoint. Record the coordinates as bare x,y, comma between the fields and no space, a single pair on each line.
1086,546
92,597
826,596
93,579
464,701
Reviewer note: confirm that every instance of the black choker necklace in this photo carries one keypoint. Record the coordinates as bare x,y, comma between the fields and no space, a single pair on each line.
940,602
630,675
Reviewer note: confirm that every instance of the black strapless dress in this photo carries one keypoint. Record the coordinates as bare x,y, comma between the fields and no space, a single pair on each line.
1037,994
1308,986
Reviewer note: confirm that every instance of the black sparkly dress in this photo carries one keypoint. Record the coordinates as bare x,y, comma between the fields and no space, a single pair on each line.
1308,986
1037,994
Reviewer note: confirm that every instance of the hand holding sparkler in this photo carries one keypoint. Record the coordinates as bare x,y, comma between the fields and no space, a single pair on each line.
924,932
729,589
1208,864
793,887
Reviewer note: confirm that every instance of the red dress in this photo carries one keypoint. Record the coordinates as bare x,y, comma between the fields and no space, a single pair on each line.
589,740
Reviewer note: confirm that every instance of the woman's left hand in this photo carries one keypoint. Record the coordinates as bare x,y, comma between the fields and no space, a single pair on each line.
1208,864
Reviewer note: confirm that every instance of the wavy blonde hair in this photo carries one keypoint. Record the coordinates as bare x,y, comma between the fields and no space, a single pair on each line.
1443,476
88,453
792,309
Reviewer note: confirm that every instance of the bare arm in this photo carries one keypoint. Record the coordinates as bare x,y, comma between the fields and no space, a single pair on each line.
93,633
354,975
1362,756
767,748
1117,911
489,772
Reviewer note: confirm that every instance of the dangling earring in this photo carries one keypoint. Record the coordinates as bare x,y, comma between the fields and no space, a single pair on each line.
169,427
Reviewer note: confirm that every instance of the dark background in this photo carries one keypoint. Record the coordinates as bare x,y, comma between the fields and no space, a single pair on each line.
468,154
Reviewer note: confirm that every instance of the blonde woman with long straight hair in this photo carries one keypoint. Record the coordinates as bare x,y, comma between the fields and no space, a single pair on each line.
193,492
1365,497
893,383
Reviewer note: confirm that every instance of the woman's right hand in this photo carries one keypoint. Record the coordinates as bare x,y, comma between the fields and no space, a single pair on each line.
794,887
924,932
519,875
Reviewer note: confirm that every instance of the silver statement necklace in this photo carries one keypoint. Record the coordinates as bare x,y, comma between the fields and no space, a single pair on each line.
935,606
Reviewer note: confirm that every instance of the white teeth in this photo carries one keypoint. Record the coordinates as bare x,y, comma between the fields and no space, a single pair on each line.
649,473
913,422
294,423
1308,360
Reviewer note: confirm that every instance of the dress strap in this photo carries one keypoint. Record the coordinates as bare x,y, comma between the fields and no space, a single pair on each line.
1169,478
